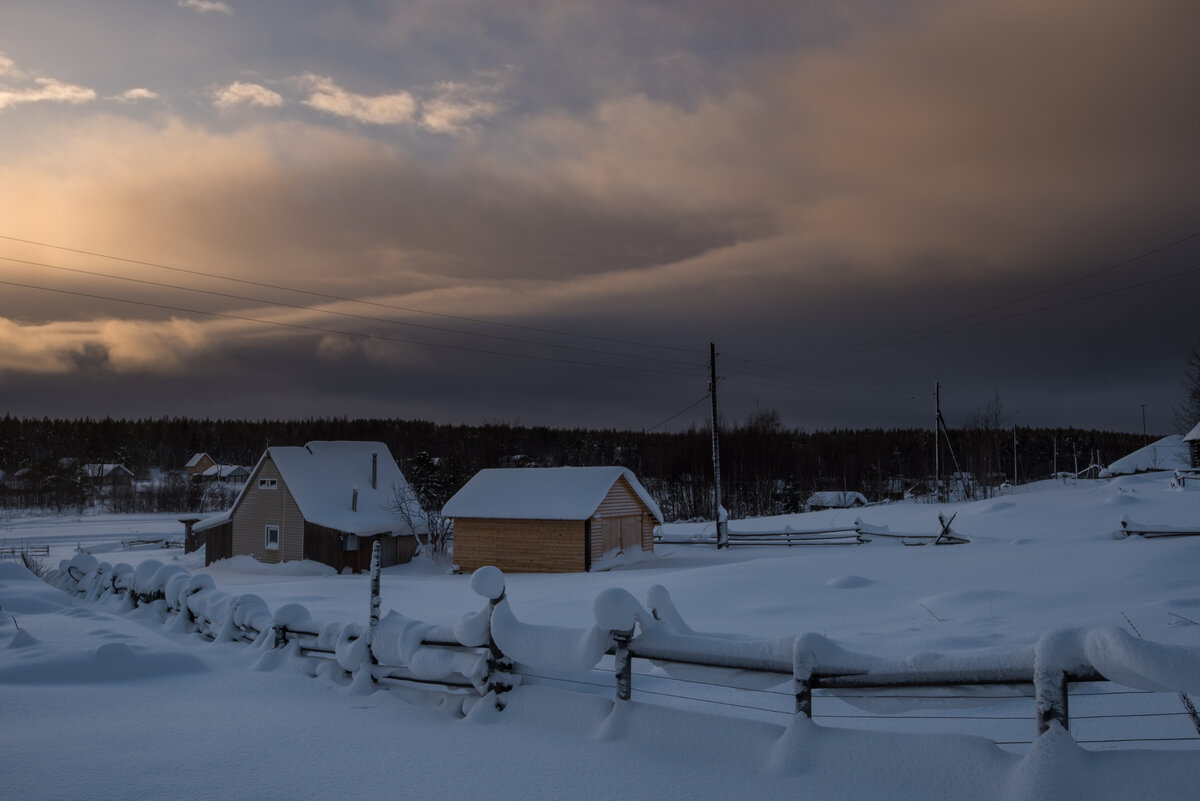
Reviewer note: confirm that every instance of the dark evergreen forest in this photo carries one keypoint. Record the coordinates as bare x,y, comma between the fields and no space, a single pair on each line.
765,468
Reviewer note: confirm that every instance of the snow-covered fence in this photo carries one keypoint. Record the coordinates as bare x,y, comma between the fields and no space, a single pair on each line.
488,651
1154,530
857,534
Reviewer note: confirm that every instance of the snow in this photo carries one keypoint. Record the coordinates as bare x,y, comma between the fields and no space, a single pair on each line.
541,493
836,500
121,703
1168,453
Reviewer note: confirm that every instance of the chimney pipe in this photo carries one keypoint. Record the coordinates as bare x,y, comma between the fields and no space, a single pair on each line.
354,501
374,469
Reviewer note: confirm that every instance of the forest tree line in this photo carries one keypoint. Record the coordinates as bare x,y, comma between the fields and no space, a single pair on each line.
766,468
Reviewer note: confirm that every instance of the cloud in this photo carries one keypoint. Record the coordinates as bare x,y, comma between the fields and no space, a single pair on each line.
251,94
206,6
46,90
136,94
108,345
397,108
455,107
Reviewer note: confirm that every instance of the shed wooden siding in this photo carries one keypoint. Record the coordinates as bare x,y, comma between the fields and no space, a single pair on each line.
218,543
519,546
260,508
621,501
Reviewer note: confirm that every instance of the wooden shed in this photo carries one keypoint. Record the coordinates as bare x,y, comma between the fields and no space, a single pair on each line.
326,501
1192,439
551,519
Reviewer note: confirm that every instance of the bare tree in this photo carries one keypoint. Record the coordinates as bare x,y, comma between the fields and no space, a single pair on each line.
418,502
1187,414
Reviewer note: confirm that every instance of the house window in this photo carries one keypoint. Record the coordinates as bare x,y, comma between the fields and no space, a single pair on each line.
272,538
268,483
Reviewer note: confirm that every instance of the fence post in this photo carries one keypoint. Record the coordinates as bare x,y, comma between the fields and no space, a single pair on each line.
623,664
802,668
373,622
1050,689
488,581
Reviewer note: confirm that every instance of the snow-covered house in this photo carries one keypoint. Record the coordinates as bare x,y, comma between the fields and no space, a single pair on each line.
326,501
550,519
115,476
835,500
225,473
1192,439
198,464
1168,453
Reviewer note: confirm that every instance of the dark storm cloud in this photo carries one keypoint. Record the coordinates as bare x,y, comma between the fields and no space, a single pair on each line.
671,175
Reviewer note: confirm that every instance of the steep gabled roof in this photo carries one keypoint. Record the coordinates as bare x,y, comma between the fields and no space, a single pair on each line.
542,493
1193,435
322,477
196,458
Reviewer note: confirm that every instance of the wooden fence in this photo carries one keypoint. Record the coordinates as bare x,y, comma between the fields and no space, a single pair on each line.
857,534
654,632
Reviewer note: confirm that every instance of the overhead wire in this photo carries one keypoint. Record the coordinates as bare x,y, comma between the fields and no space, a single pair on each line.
334,312
352,334
344,299
940,328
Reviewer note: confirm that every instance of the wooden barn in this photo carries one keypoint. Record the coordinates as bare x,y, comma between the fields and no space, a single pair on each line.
1192,439
326,501
551,519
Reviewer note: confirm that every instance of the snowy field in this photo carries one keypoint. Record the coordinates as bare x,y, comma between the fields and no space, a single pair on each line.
101,702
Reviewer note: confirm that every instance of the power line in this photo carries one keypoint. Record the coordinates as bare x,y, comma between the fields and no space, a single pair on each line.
924,332
354,334
687,408
342,299
230,296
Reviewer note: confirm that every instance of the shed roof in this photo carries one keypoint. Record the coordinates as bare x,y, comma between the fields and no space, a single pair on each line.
542,493
1193,435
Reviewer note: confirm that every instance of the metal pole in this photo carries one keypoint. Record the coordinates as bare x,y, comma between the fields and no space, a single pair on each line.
722,524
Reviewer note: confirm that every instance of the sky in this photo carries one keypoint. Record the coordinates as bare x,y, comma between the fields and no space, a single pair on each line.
543,212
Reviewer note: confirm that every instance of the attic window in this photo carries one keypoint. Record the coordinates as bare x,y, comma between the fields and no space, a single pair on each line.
268,483
272,538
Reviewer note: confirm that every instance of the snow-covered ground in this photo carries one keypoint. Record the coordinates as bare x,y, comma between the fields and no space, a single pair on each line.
105,703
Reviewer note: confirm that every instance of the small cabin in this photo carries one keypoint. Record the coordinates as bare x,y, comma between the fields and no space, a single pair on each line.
327,501
551,519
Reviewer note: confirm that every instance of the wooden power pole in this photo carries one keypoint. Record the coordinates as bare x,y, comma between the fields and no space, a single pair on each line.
722,521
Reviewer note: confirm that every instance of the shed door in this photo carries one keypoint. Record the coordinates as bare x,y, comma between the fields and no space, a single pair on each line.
622,533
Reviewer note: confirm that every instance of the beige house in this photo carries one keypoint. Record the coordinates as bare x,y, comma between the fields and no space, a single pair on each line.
327,501
551,520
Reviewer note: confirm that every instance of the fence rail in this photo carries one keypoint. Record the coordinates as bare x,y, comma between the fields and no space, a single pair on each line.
488,653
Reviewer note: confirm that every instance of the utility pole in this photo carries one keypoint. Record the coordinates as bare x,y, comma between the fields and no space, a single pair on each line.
722,521
937,443
1014,455
1143,421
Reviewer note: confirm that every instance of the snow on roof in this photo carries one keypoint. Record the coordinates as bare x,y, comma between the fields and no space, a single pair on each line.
195,460
837,500
1168,453
322,477
542,493
1193,435
104,470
